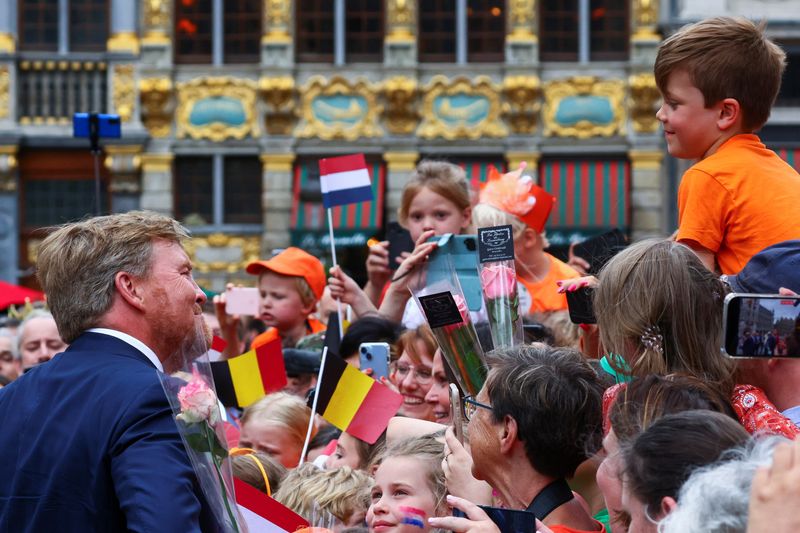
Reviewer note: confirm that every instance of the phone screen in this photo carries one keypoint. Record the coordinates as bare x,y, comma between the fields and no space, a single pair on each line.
580,307
762,325
456,414
241,301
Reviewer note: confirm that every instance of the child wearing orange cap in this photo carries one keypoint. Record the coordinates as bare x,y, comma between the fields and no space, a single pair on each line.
289,286
514,199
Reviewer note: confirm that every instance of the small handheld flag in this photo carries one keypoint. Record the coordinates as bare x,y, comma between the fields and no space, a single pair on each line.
354,402
263,514
244,379
344,180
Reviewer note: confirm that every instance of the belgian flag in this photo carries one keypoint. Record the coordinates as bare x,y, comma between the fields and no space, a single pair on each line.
246,378
354,402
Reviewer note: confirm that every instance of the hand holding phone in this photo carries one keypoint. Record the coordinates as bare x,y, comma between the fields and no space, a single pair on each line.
241,301
375,355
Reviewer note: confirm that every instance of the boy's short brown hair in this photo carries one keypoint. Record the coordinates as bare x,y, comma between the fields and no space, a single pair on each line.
726,57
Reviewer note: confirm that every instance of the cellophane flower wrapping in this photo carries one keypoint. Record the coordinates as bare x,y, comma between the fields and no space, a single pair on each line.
499,285
189,386
458,341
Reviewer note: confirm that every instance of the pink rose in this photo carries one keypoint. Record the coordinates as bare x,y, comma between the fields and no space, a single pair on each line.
461,303
498,281
198,402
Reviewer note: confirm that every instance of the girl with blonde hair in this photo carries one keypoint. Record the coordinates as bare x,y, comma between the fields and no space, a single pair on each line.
276,425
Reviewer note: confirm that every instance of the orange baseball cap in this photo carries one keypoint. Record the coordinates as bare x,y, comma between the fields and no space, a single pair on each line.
294,262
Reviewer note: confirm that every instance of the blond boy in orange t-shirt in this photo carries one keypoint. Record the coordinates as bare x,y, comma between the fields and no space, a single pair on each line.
719,78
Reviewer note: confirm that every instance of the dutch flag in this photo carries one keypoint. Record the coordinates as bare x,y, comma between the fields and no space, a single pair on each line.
344,180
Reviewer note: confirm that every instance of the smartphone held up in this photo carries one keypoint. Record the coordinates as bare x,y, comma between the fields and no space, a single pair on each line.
761,325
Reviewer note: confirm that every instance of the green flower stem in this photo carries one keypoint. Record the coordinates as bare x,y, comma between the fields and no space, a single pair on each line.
461,348
208,433
503,320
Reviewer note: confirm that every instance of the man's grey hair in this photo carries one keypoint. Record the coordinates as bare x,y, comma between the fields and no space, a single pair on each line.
36,313
715,498
7,333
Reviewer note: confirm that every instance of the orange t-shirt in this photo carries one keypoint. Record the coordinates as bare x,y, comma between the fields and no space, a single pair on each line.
312,326
738,201
543,295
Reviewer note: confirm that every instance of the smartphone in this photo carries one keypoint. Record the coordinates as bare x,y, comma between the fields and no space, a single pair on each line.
761,325
599,249
463,253
108,126
375,355
241,301
580,306
456,413
399,241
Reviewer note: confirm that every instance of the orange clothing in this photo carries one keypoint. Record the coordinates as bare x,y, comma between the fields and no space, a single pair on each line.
312,326
738,201
564,529
543,294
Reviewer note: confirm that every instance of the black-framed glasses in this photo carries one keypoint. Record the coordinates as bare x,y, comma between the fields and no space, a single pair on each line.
471,405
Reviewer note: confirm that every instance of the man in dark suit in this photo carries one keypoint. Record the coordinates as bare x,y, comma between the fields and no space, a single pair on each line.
88,440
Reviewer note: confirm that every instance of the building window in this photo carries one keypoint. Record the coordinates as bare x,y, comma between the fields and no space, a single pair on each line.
461,30
216,32
486,31
314,39
437,31
571,30
217,191
789,95
339,31
364,31
86,29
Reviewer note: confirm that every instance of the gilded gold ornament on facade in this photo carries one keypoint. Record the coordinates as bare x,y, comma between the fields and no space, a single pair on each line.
584,107
523,101
155,95
241,250
217,108
461,109
400,111
123,91
644,98
339,109
279,95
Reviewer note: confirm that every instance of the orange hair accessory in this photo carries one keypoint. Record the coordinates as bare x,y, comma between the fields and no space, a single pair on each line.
518,195
250,453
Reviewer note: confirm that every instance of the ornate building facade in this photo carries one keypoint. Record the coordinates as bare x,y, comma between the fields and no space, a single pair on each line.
226,106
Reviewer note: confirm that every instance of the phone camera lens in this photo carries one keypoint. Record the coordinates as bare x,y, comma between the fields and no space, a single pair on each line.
363,350
369,357
470,244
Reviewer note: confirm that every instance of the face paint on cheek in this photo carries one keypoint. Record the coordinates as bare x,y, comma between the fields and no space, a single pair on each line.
413,517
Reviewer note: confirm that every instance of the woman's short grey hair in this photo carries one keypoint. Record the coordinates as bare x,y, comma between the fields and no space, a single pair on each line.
715,498
6,332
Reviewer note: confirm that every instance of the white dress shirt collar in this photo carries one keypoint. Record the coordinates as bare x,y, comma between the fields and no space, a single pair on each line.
133,341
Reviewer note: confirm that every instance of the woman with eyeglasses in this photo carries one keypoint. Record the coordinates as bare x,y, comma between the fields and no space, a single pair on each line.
412,373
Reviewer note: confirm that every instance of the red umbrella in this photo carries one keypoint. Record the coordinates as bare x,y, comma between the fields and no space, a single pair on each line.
15,295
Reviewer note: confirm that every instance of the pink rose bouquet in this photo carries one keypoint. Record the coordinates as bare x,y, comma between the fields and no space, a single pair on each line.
499,284
462,349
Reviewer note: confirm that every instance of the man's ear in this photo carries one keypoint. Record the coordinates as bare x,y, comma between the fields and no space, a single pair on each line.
508,434
730,113
129,289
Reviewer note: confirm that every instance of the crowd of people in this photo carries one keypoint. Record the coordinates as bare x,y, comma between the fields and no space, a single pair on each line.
636,424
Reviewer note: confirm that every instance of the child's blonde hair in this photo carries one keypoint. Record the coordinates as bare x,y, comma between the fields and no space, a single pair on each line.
302,287
286,410
246,467
430,451
341,491
441,177
726,57
661,309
